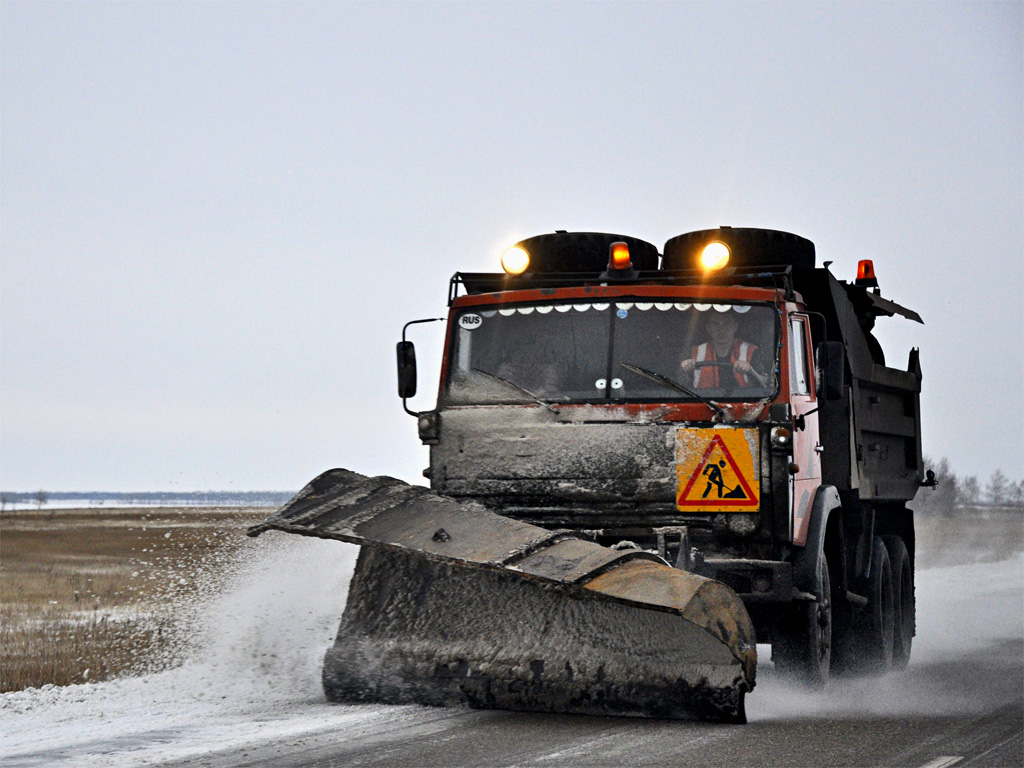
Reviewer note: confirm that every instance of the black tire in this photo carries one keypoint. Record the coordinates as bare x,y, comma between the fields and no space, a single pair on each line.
872,631
802,642
904,607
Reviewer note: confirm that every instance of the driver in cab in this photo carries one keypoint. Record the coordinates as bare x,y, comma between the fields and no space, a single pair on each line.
723,361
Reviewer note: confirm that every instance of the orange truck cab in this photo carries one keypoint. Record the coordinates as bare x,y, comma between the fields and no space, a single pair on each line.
722,403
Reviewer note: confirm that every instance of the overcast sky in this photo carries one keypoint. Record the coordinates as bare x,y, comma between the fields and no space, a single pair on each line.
216,217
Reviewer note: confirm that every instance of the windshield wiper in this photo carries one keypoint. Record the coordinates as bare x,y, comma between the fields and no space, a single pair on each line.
665,381
524,390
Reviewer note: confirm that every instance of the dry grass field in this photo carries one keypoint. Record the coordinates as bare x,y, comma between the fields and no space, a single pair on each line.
91,594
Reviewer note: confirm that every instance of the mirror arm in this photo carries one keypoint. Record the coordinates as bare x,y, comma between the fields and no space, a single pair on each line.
414,322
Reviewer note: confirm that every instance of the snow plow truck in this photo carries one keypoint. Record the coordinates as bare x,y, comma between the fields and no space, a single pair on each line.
642,465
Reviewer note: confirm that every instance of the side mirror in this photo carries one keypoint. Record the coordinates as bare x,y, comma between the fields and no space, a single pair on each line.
406,353
831,369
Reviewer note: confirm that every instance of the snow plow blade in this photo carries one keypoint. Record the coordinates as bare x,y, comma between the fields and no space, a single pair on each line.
451,603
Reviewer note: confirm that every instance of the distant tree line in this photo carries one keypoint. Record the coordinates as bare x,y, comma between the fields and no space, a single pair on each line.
953,492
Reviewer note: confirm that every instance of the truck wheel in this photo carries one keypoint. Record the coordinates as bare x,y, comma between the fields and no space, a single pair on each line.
904,610
873,627
802,645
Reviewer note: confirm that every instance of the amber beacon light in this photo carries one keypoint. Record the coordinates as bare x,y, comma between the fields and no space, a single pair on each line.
866,274
714,256
618,256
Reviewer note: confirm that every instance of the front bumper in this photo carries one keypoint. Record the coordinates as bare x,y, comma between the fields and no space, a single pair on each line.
757,582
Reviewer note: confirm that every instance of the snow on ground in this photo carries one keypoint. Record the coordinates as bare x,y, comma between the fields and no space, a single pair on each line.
254,678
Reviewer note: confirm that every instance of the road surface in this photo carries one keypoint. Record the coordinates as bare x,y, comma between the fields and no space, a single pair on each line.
252,699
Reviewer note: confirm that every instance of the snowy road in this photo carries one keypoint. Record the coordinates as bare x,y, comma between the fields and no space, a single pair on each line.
252,696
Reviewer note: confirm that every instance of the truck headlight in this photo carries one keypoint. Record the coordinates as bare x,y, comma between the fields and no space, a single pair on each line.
714,256
515,260
428,423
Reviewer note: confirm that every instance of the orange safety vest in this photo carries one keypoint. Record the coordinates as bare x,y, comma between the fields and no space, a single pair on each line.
709,376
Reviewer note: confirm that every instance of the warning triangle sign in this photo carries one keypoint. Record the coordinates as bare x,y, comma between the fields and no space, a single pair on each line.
716,471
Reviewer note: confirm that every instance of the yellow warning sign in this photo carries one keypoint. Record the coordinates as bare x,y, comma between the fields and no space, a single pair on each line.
717,470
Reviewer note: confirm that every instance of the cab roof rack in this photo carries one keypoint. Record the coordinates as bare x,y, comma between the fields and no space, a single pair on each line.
474,283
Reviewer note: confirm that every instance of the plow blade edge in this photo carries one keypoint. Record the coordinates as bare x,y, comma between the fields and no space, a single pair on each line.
451,603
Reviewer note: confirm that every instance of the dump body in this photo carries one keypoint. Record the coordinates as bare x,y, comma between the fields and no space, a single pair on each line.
872,432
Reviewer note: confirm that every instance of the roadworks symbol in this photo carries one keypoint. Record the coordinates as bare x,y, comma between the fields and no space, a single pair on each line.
716,470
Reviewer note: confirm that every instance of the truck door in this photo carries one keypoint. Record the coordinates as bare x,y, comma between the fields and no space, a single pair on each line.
806,442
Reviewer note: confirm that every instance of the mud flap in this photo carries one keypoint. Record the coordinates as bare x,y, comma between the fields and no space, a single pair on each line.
451,603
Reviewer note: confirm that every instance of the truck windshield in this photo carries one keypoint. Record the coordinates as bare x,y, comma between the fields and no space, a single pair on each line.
592,352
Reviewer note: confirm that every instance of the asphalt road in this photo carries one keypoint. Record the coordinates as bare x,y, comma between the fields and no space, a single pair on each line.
255,700
964,712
